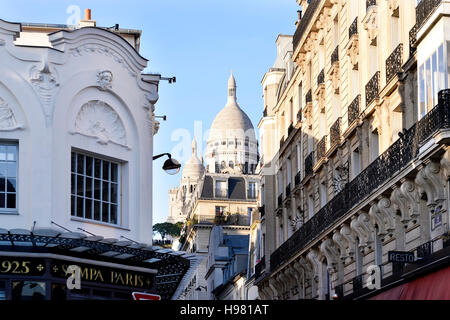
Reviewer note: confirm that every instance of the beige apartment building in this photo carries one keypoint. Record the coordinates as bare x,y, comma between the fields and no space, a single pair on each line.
355,153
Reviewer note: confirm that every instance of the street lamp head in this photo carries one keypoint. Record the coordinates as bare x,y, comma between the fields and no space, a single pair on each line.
171,166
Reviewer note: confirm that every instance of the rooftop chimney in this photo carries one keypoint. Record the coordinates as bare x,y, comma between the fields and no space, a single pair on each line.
87,21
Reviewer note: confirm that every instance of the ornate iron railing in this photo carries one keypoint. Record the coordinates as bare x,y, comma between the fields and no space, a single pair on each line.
424,9
297,179
308,97
309,164
394,63
262,210
280,200
321,148
370,3
353,110
386,166
305,22
321,77
260,267
290,129
412,40
353,29
335,55
335,132
288,191
373,88
299,116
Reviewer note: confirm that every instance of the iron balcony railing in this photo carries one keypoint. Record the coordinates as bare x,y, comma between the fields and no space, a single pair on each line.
299,116
373,89
321,77
297,179
290,129
305,22
288,191
386,166
280,200
309,164
281,142
394,63
262,210
335,132
335,55
353,29
260,267
321,148
424,9
370,3
308,97
412,40
353,110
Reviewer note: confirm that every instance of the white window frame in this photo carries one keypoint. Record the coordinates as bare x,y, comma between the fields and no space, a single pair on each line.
119,190
14,210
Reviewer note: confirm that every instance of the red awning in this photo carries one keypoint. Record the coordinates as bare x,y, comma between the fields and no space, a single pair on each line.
434,286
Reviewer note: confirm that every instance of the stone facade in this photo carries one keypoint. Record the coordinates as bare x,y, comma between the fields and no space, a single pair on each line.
363,148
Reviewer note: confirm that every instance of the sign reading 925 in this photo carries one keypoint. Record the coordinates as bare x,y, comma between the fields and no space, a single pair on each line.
21,266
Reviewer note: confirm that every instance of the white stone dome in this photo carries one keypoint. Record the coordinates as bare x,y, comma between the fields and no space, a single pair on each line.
194,167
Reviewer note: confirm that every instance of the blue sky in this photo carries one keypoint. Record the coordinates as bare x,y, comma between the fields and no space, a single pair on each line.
199,42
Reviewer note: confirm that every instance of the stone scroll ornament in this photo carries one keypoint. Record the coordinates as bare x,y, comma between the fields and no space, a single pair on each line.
98,119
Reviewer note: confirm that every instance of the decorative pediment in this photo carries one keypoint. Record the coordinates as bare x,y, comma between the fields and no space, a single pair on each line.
7,120
97,119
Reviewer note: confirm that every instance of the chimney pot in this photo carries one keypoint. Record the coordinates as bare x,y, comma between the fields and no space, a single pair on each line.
87,14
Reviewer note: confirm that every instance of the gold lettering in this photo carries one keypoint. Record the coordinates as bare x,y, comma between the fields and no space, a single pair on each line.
141,281
85,273
129,279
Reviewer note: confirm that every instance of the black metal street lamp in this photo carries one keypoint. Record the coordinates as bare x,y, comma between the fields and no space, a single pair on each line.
170,166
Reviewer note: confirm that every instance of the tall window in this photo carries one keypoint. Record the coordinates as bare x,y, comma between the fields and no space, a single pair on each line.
356,162
221,189
323,194
432,78
8,176
95,188
252,190
220,211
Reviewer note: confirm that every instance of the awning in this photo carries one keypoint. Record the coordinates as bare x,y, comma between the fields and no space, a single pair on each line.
433,286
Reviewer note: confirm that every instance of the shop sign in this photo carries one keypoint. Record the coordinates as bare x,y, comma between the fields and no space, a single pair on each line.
22,266
104,275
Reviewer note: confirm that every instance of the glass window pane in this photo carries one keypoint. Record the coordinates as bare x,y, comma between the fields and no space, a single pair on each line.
73,162
429,89
28,290
434,77
11,185
2,200
2,184
80,185
114,187
422,106
105,191
11,153
105,170
80,164
2,169
113,214
89,166
2,153
97,210
11,200
80,207
2,290
105,212
11,169
73,183
88,209
96,189
97,168
72,206
441,69
89,188
114,172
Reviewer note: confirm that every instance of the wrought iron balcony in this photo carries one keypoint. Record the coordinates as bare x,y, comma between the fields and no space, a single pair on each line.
260,267
424,9
412,40
288,191
335,55
394,63
321,77
262,210
353,29
297,179
308,97
353,110
309,164
373,89
370,3
280,200
305,22
299,116
321,148
386,166
290,129
335,132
